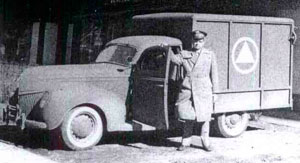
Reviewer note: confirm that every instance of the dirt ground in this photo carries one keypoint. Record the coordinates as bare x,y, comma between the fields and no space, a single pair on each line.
262,142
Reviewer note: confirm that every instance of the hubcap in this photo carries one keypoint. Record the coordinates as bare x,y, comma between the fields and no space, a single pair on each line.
82,126
233,120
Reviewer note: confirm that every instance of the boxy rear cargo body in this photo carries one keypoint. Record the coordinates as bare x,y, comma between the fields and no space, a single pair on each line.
254,55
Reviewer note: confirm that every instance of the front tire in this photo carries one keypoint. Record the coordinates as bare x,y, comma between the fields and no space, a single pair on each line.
82,128
232,125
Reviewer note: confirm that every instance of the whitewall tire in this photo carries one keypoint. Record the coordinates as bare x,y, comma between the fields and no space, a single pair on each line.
82,128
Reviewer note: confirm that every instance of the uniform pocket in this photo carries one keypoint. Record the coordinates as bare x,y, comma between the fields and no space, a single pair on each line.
186,110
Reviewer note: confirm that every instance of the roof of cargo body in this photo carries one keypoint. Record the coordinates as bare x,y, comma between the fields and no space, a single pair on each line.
216,17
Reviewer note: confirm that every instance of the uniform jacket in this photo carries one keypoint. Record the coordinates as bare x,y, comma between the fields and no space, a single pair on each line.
195,100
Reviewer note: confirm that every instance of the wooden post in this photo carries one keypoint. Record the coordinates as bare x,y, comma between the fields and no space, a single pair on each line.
2,47
34,43
50,40
69,43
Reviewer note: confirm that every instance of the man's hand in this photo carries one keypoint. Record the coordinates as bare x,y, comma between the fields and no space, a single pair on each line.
215,97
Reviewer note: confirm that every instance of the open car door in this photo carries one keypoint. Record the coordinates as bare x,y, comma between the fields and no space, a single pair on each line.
150,88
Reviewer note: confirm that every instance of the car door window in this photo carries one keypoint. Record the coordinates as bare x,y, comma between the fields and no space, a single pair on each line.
153,60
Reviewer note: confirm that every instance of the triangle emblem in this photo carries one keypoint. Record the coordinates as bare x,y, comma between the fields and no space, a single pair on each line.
245,55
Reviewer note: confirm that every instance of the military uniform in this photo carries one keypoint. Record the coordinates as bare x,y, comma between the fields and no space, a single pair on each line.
195,100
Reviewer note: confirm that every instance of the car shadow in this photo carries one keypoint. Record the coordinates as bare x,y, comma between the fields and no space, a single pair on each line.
10,134
155,138
39,139
32,139
152,138
252,128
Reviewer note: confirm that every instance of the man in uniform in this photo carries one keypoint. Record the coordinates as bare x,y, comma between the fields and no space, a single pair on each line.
195,100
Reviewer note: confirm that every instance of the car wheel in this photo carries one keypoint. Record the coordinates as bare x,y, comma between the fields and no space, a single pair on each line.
82,128
232,125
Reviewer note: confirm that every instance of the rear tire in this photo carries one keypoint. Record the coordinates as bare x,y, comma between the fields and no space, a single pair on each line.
82,128
232,125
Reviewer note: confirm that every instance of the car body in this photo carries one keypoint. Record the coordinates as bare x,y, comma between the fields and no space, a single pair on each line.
132,85
46,94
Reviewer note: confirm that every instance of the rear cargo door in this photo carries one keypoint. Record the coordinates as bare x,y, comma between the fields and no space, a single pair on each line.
276,66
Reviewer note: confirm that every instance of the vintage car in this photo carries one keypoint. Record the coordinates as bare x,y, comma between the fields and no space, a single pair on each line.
133,85
128,78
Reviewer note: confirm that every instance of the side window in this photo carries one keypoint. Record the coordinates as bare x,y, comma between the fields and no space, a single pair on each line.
154,60
176,49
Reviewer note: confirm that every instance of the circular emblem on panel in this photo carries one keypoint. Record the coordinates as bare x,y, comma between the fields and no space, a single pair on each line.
245,55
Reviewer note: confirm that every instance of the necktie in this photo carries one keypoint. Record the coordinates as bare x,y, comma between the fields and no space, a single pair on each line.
195,57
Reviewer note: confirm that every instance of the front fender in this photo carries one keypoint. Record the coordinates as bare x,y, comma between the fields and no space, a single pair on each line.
65,99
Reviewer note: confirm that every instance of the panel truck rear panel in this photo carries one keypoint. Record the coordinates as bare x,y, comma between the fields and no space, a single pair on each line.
254,55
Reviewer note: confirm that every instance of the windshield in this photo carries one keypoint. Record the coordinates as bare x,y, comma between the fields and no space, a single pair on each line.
119,54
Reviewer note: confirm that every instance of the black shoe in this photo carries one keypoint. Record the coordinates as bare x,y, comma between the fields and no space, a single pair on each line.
182,148
129,117
206,147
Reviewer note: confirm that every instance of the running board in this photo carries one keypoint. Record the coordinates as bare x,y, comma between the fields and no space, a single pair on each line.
139,126
136,126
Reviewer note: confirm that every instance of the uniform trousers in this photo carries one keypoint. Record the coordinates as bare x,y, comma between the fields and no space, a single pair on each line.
188,128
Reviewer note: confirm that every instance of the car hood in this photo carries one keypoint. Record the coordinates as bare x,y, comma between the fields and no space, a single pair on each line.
68,73
73,71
